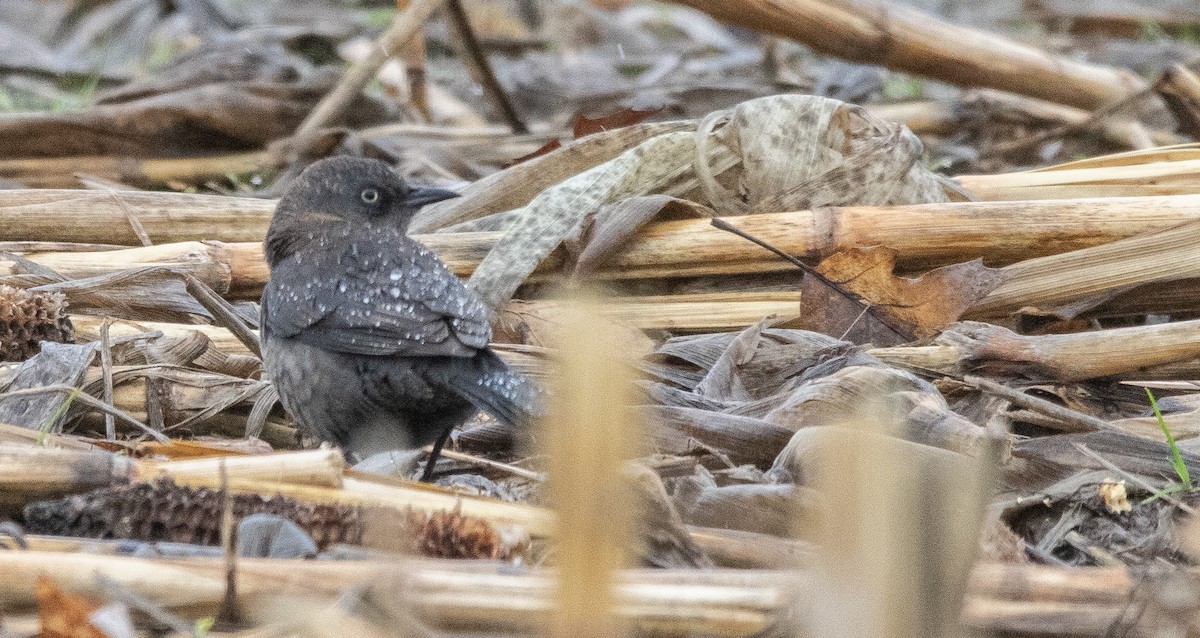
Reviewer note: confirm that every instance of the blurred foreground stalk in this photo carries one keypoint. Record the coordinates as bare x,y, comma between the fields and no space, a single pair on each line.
587,438
897,532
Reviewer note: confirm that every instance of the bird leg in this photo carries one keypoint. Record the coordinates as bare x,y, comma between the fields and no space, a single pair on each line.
427,475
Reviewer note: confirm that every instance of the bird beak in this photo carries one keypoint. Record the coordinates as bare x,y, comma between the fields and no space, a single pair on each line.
421,196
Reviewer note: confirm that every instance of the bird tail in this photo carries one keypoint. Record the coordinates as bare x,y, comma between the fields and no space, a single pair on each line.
490,385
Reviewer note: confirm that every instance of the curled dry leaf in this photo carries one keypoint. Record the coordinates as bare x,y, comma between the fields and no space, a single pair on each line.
554,214
785,152
802,151
724,378
601,233
744,439
896,402
514,187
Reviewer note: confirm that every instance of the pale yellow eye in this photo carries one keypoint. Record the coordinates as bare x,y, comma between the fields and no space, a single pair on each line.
370,195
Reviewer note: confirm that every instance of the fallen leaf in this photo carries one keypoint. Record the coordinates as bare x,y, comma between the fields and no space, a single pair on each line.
861,298
64,615
584,126
552,145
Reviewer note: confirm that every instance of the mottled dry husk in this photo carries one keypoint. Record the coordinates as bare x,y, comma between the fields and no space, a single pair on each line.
160,510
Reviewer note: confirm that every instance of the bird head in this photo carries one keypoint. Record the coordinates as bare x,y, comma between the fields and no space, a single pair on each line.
345,190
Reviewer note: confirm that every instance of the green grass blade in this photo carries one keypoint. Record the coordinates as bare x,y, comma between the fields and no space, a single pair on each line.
62,408
1163,493
1176,457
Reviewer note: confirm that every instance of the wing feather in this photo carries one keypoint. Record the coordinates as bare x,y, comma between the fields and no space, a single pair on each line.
357,299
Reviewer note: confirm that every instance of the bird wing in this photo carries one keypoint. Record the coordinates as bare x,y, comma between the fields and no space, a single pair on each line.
361,300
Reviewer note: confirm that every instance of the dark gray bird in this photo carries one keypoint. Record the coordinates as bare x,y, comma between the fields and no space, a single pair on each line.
370,340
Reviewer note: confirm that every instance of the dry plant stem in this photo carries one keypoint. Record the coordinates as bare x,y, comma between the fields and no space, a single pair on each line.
480,596
54,246
1164,351
926,117
521,472
1157,171
1181,87
899,536
59,172
935,360
91,402
1184,371
1092,121
1126,133
30,471
394,494
228,613
87,328
734,548
319,468
493,599
174,217
909,40
700,312
923,235
134,222
106,363
1051,281
414,70
224,313
403,27
100,217
17,435
413,55
1069,420
487,77
210,262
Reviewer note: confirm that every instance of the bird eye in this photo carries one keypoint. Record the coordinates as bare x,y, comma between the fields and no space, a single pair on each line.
370,195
